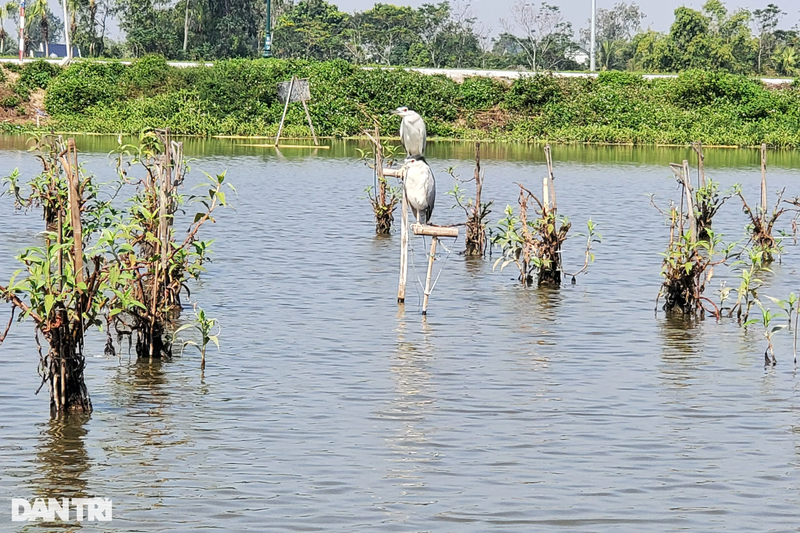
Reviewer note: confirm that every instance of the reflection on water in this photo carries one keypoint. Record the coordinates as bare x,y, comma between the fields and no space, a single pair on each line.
63,459
414,398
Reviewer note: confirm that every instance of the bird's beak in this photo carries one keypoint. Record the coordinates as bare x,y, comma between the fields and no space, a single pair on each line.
395,112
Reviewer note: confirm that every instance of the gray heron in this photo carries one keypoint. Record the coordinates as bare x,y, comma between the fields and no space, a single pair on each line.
412,132
419,188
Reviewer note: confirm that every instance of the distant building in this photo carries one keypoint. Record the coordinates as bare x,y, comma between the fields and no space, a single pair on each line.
56,50
580,57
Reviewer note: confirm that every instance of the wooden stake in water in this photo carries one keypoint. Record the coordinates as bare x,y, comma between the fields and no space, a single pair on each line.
764,183
687,187
701,167
70,165
552,199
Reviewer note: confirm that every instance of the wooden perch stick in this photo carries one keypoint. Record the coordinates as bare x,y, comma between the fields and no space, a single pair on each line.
434,231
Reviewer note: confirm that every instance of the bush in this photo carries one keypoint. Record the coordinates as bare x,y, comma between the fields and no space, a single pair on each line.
37,75
148,75
83,85
702,88
480,93
620,79
10,101
238,97
529,92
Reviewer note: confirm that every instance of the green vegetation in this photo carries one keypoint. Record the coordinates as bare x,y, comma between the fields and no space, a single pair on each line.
238,97
100,266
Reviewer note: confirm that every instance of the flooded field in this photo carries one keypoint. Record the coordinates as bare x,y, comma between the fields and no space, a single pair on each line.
331,408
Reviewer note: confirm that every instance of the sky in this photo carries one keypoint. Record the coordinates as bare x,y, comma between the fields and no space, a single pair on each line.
659,13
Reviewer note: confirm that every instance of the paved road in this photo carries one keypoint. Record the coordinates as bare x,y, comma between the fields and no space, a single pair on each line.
455,74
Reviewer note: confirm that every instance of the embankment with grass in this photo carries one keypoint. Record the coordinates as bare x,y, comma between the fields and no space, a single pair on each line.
239,97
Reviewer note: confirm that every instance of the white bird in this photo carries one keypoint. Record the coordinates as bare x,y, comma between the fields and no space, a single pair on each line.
412,132
419,188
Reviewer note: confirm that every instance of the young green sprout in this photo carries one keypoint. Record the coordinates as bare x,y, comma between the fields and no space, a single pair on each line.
203,324
769,330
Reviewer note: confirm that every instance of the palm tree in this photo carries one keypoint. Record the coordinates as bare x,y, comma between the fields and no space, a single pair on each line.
6,11
787,59
40,9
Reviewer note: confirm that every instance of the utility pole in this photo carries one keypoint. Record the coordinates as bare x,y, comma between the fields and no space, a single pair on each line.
21,30
268,33
592,45
66,32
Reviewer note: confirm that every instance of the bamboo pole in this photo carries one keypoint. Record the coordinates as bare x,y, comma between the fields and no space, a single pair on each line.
701,167
381,192
59,239
478,181
63,383
546,189
764,183
434,240
549,156
310,125
285,109
687,187
401,289
73,194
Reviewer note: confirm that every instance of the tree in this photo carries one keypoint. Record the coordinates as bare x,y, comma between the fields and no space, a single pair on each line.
312,28
766,20
615,28
386,29
432,21
39,13
148,27
546,36
7,10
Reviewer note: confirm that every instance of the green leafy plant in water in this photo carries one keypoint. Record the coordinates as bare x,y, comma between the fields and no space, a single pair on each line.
760,227
533,245
787,306
65,286
749,283
687,267
476,211
205,326
766,320
382,196
161,264
707,203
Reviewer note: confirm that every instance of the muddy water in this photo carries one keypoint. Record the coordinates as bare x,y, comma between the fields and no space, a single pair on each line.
330,408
